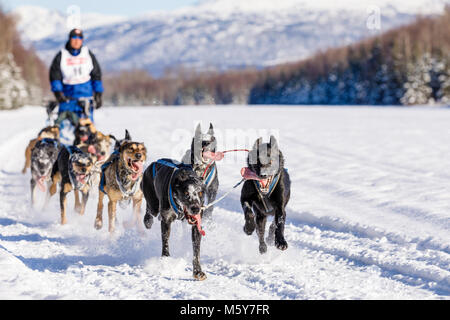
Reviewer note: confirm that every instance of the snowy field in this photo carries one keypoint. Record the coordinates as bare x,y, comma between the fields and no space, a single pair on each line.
369,216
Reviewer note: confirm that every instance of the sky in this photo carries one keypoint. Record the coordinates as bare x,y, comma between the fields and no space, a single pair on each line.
114,7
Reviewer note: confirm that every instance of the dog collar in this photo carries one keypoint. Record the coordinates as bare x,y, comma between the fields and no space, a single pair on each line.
209,179
127,193
267,191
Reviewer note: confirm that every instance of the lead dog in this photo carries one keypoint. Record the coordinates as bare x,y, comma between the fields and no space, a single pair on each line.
266,193
174,191
196,156
120,181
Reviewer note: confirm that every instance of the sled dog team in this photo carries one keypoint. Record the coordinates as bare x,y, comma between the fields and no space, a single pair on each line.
173,190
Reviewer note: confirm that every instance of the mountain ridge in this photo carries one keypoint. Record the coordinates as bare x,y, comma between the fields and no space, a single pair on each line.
222,35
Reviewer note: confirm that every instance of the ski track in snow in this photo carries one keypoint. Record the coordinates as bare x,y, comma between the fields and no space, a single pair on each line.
368,216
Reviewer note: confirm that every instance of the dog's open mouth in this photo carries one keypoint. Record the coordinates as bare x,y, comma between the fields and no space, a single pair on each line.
265,183
250,175
81,178
136,167
84,138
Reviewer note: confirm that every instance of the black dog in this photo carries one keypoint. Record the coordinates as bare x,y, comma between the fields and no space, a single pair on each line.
267,193
174,191
73,169
196,157
43,156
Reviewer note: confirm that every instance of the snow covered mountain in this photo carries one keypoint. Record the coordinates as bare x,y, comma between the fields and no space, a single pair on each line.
36,23
224,34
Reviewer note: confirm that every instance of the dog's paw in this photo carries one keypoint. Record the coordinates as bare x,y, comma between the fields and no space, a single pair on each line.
98,224
281,244
249,226
262,248
148,221
270,240
248,229
199,275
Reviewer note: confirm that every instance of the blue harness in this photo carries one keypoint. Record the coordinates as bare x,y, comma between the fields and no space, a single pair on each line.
173,165
101,186
54,142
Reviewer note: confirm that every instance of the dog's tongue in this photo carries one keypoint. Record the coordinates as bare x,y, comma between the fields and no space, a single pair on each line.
41,183
216,156
248,174
84,138
81,178
198,223
91,149
138,167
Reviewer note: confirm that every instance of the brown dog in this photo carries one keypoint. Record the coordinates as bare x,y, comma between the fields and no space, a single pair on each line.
51,132
120,180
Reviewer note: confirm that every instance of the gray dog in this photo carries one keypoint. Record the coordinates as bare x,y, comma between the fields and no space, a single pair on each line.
43,156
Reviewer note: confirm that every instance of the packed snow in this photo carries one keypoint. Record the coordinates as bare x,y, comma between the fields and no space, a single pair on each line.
368,216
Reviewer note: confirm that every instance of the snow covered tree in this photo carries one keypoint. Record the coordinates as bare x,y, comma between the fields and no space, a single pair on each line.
13,88
417,86
427,81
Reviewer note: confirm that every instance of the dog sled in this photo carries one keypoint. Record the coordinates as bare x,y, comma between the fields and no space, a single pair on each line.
67,119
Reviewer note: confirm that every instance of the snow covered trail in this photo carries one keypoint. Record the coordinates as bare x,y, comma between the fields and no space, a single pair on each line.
369,216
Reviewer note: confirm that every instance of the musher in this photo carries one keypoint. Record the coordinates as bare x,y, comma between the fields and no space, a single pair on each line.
76,80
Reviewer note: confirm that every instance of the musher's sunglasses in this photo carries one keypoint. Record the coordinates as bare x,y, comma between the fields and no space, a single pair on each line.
76,37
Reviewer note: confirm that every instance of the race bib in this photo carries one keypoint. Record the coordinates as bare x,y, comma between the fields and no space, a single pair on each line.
76,69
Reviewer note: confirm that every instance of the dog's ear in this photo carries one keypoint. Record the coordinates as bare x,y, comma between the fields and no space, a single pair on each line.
122,146
112,137
253,154
273,143
211,129
198,132
127,135
257,143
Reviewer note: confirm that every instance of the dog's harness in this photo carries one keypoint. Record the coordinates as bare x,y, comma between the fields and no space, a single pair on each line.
209,178
175,166
101,185
265,192
181,213
54,142
125,193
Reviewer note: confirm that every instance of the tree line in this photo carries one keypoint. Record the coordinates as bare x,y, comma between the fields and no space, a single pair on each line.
408,65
